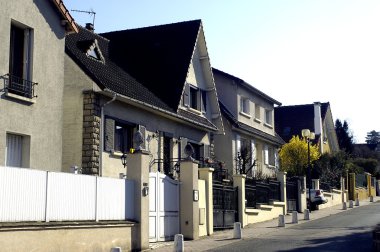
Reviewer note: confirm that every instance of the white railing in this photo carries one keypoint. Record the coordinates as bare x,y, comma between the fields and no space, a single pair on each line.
33,195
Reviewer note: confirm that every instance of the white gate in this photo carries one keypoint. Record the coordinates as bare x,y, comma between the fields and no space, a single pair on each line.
163,207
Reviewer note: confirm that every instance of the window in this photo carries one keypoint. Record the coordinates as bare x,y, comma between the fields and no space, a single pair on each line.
257,112
17,150
118,136
268,117
244,105
269,156
193,98
20,61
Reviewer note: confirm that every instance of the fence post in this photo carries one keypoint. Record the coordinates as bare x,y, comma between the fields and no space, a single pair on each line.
343,189
206,174
352,186
189,204
239,181
302,205
368,177
138,171
281,176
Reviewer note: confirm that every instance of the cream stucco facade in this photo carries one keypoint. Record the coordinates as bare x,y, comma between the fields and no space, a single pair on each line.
249,122
36,121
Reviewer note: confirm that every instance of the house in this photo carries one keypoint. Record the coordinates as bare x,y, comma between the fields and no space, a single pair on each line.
32,74
248,119
317,117
155,82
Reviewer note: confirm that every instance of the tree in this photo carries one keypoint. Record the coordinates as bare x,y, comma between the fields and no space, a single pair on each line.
293,156
330,167
373,137
345,138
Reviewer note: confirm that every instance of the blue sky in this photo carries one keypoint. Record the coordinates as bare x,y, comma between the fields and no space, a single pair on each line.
296,51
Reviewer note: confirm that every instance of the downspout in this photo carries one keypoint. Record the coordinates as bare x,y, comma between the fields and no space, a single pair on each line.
101,142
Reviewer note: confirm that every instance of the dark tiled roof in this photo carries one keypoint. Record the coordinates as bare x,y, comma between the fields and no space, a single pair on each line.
109,75
246,85
290,120
157,56
196,119
229,116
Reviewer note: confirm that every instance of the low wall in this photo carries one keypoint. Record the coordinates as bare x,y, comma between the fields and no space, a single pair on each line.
362,193
67,236
264,212
333,198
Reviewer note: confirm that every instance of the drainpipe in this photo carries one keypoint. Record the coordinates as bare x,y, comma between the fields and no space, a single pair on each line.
101,142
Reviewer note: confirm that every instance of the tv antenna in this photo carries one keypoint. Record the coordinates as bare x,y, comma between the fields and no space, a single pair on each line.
90,12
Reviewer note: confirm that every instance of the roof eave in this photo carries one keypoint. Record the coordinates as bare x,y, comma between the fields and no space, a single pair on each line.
70,24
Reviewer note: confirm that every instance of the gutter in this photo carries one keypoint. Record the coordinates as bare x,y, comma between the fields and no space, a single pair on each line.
102,133
160,110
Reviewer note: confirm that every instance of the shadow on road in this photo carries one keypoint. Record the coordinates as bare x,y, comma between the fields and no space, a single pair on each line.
354,242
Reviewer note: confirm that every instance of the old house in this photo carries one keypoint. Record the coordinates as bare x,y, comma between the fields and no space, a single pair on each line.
156,81
248,118
317,117
32,74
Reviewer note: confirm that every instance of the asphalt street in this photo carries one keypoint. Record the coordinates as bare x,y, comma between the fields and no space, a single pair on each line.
346,231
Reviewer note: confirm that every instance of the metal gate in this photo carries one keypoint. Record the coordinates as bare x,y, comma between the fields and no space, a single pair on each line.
225,199
163,207
292,194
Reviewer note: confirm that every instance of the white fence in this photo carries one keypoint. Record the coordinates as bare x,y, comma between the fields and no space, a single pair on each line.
33,195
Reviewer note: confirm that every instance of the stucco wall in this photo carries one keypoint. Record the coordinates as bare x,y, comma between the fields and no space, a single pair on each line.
68,239
224,148
202,208
41,121
75,82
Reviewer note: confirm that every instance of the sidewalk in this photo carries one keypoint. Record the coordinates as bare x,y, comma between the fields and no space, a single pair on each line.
221,238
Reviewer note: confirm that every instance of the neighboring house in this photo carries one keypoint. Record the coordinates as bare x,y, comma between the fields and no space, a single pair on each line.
248,119
32,74
317,117
155,80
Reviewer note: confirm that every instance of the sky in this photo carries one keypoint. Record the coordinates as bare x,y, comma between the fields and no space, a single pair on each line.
295,51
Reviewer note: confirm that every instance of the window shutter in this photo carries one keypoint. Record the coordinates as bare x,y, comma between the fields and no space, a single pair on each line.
142,130
266,155
182,145
238,144
205,151
186,95
253,151
276,160
203,95
109,135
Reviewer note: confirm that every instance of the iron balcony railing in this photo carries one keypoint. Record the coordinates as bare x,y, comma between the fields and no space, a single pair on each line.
19,86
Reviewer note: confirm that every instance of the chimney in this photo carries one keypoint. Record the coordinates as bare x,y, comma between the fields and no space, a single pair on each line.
90,27
318,128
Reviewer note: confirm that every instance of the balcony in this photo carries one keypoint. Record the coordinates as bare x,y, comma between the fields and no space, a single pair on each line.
19,88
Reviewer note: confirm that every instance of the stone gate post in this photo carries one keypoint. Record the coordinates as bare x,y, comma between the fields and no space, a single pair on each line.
206,174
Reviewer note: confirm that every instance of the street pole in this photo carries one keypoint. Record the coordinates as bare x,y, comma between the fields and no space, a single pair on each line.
309,171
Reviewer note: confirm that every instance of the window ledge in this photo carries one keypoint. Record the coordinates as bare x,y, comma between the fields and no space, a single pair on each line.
245,114
195,111
117,154
268,125
21,98
257,120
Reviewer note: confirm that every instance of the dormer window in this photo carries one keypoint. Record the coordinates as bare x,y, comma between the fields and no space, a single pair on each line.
94,52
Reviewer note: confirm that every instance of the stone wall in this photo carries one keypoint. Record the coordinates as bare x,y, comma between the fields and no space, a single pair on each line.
91,133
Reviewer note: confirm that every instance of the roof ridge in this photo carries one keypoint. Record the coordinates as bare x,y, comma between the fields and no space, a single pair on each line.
153,26
300,105
96,34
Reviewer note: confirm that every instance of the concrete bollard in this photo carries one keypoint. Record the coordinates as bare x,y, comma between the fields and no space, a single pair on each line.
306,214
371,198
294,217
357,202
344,206
281,220
351,204
178,243
116,249
237,230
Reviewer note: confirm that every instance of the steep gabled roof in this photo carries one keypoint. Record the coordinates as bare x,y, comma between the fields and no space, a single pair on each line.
247,86
290,120
157,56
248,129
108,75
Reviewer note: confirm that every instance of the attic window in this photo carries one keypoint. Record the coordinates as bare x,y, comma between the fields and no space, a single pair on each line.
94,52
